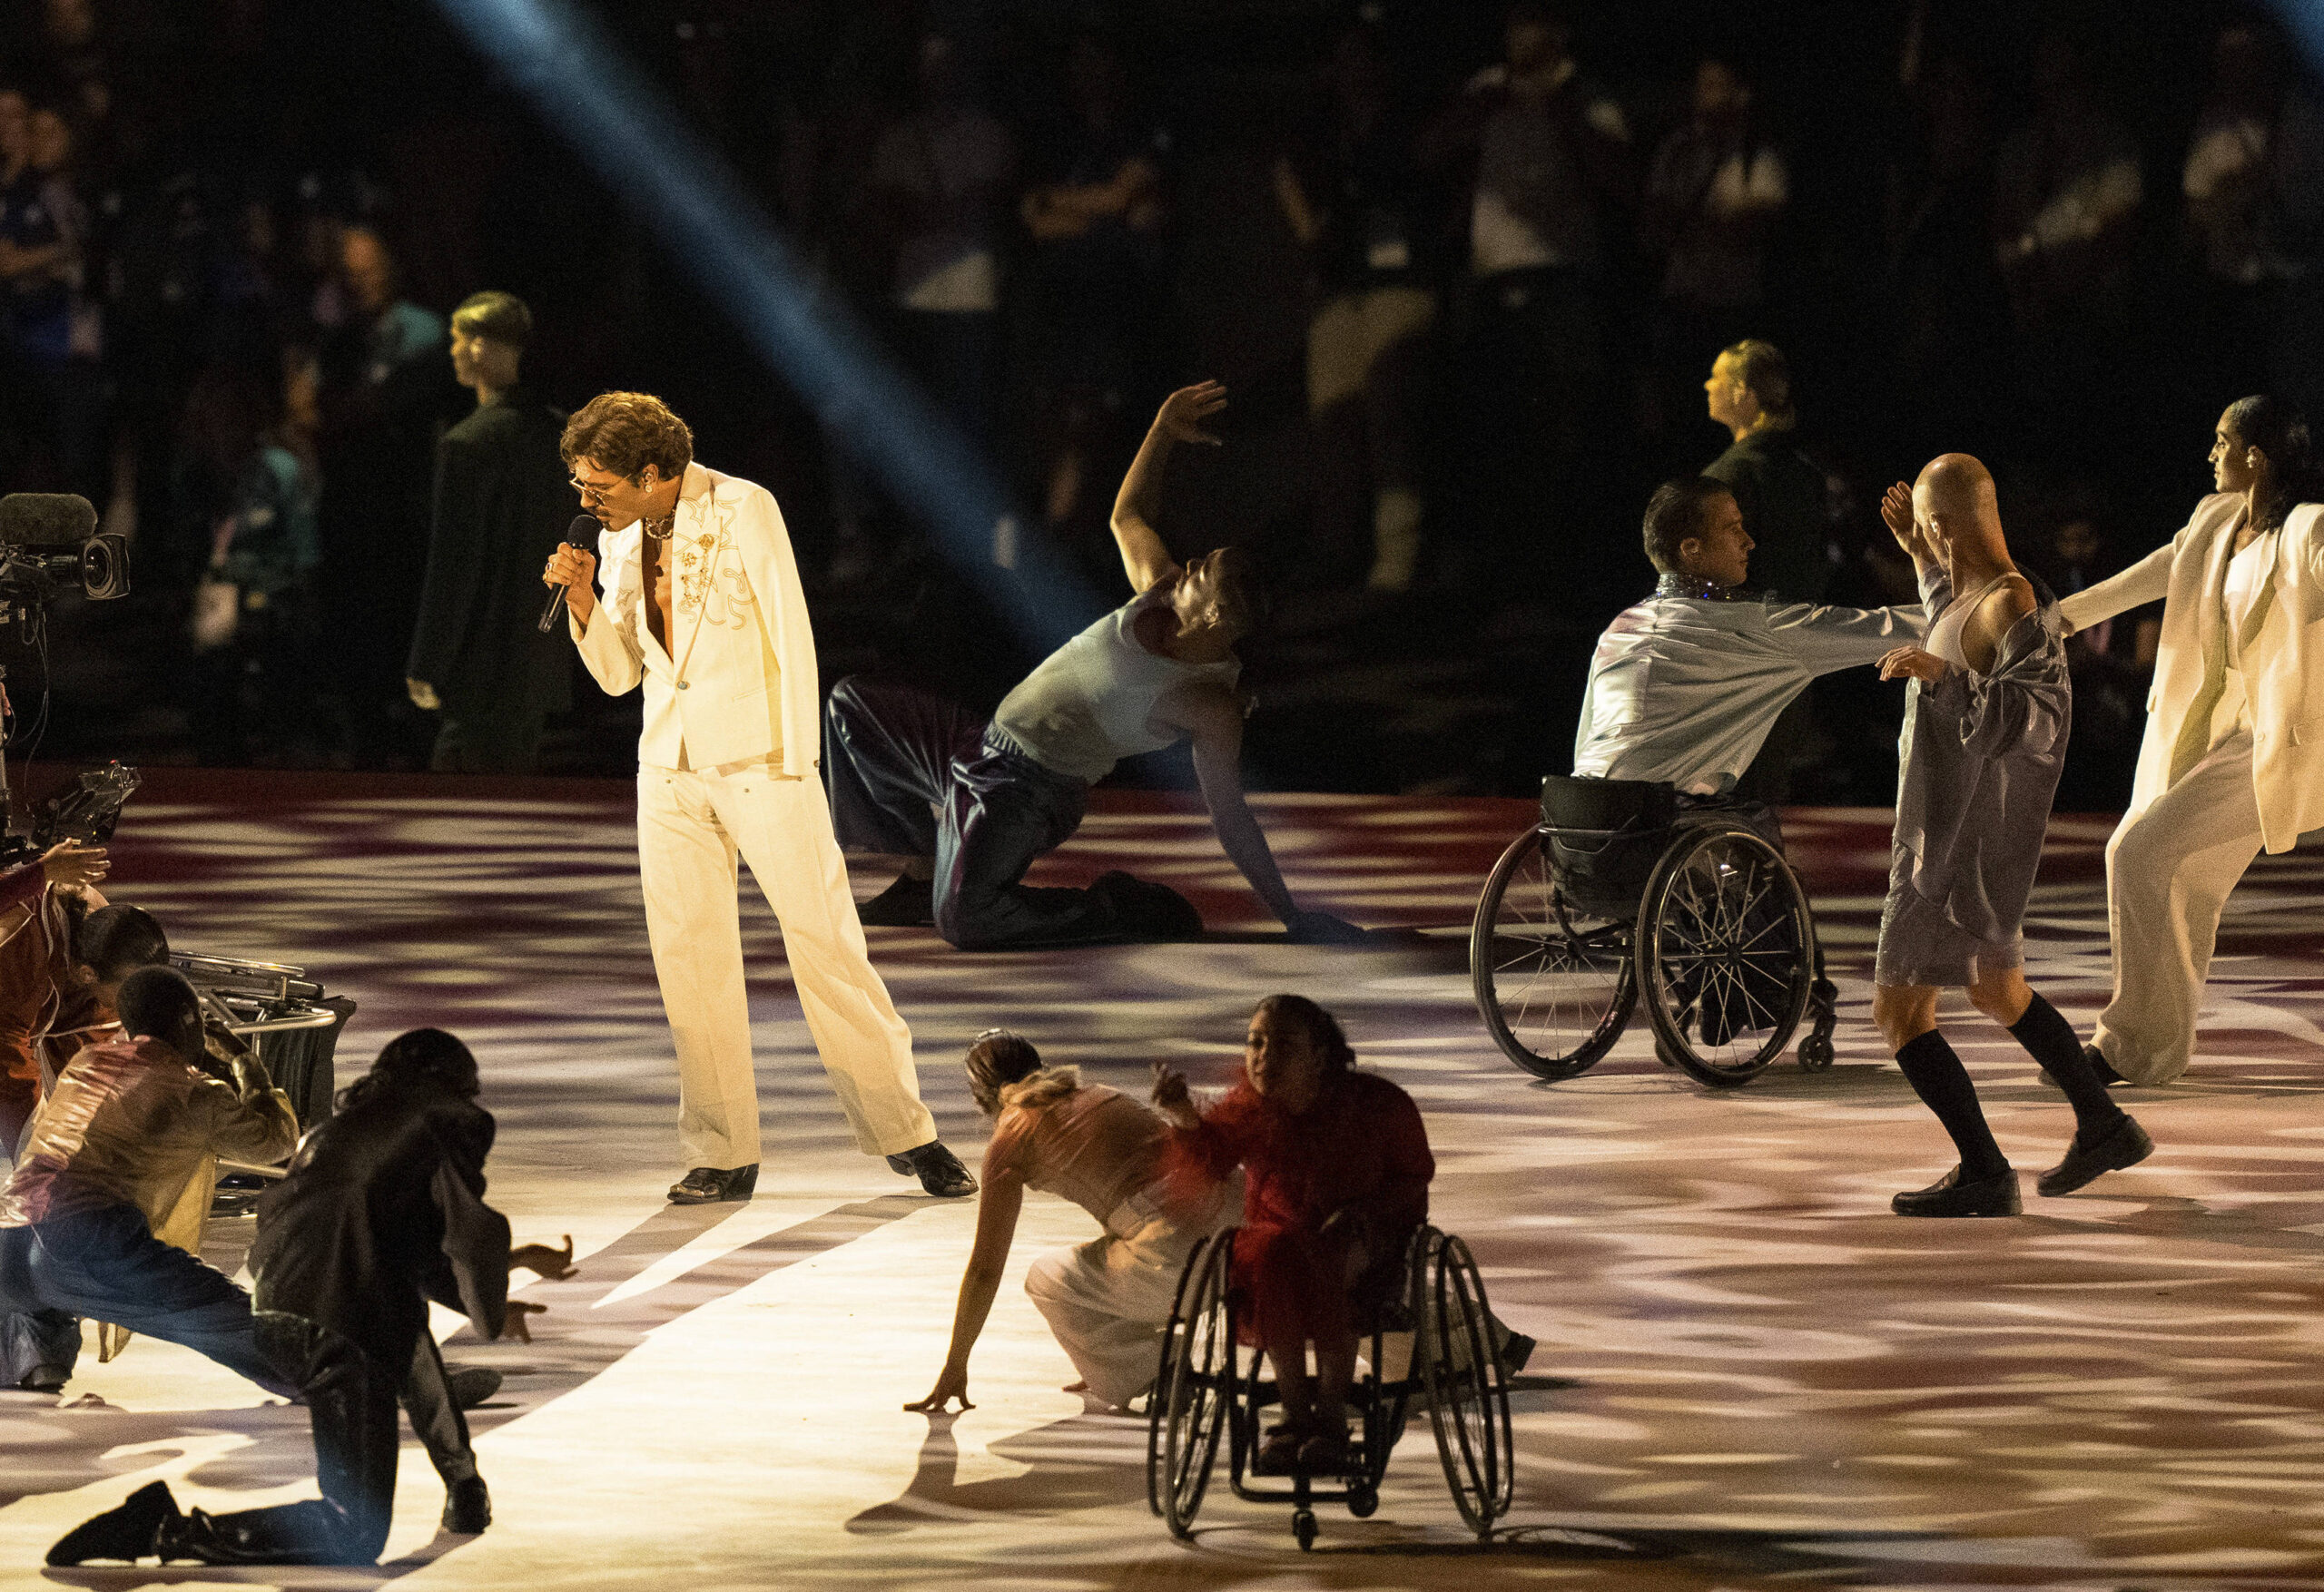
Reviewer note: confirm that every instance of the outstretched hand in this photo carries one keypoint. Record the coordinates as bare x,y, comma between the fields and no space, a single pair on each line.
69,865
1171,1095
950,1385
1322,928
552,1262
1911,663
1896,514
1184,410
514,1326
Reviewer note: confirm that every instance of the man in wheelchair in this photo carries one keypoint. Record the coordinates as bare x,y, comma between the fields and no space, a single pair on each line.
1686,684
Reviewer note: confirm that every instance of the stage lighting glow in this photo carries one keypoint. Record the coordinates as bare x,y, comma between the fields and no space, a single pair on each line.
622,124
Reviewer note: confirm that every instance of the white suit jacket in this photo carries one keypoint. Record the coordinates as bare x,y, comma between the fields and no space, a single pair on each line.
738,681
2283,657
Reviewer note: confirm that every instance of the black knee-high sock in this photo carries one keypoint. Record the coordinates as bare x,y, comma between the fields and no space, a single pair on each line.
2050,1039
1937,1077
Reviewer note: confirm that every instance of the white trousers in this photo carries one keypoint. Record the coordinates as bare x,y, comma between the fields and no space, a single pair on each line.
2168,874
1108,1301
691,822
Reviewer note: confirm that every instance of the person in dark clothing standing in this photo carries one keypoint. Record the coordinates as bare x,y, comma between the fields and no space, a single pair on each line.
383,1210
1781,494
502,503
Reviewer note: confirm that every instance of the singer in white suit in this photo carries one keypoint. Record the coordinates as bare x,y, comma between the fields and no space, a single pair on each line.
2233,760
702,606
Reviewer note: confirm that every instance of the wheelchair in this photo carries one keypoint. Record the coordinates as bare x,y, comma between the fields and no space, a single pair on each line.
1618,893
1432,1343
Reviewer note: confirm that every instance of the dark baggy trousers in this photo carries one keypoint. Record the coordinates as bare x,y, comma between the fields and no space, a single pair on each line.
351,1404
106,1265
913,776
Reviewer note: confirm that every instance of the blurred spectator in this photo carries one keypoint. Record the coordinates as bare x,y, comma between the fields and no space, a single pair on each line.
1550,148
1091,300
247,495
1355,199
38,266
71,375
2067,192
942,180
502,505
2254,188
2111,663
1950,315
384,390
1715,189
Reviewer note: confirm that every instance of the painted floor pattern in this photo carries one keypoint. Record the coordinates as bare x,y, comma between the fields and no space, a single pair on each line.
1749,1373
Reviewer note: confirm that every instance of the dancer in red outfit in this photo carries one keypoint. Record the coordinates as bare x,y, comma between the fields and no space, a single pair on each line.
1338,1166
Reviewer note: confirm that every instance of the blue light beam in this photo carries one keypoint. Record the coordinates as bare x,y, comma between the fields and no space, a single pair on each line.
610,111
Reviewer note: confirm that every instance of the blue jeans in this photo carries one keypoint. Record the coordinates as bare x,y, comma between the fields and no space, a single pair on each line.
106,1265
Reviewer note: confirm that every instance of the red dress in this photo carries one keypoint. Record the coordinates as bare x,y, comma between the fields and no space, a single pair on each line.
1361,1149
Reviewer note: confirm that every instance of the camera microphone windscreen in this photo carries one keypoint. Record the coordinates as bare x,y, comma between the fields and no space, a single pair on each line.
46,519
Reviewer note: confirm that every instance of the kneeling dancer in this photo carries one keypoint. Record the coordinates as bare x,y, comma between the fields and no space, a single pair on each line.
1984,738
1159,669
383,1210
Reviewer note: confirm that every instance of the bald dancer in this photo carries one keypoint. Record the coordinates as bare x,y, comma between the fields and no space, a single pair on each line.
1985,725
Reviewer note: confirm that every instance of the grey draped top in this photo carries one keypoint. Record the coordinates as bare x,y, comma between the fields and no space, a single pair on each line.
1685,685
1977,764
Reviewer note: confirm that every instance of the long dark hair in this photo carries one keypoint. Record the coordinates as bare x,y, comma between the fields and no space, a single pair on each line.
1323,1029
115,940
2279,431
425,1058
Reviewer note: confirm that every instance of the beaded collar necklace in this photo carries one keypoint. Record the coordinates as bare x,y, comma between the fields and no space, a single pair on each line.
1689,586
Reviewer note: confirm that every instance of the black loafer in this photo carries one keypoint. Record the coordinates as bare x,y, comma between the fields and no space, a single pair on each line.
1992,1195
938,1170
707,1185
129,1533
467,1507
909,903
2100,1065
2124,1145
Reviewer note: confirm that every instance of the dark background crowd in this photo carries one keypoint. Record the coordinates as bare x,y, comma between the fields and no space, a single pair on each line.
1463,268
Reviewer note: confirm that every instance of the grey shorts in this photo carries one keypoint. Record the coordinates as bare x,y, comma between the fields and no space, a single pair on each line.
1920,945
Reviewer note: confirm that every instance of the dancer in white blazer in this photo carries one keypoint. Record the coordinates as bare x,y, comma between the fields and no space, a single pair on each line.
2233,759
702,606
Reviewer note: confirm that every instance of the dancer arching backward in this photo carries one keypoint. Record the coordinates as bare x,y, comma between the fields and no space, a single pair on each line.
2226,767
1985,725
1106,1300
1155,671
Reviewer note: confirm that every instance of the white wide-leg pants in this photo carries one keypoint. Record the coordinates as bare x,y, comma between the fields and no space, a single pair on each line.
691,822
1108,1301
2168,874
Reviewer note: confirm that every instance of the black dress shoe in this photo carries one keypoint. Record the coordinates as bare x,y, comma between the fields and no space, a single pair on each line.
2124,1145
707,1185
1994,1195
938,1170
471,1385
467,1507
909,903
2100,1065
129,1533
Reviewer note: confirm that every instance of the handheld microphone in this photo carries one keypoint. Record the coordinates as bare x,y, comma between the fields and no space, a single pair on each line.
583,523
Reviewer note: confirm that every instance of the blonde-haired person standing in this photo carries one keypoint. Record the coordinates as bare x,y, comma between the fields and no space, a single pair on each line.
2228,765
702,606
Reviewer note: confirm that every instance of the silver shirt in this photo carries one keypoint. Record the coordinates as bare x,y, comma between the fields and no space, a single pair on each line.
1685,685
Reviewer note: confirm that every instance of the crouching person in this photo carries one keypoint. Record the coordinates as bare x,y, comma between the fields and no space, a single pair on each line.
383,1210
128,1136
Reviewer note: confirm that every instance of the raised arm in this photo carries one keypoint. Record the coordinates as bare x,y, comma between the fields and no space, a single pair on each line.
1143,557
2144,581
1896,514
996,1211
614,658
1213,716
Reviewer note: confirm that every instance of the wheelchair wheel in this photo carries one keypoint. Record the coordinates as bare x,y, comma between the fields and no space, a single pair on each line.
1468,1395
1724,953
1554,984
1188,1407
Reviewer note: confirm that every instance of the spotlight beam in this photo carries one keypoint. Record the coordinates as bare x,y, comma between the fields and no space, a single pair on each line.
625,129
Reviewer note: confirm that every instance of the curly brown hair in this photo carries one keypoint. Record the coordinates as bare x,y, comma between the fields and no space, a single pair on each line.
625,431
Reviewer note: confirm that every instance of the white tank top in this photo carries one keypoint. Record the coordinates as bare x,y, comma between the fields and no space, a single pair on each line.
1085,707
1944,635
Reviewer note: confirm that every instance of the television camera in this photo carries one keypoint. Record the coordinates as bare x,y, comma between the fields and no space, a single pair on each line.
49,541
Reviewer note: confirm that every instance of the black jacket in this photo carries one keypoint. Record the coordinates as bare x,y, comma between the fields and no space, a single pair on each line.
502,505
383,1210
1781,494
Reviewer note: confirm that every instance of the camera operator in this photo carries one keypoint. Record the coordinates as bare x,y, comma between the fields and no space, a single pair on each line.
45,905
128,1136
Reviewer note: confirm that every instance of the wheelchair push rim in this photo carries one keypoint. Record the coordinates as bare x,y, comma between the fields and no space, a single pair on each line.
1468,1392
1193,1388
1725,955
1555,985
